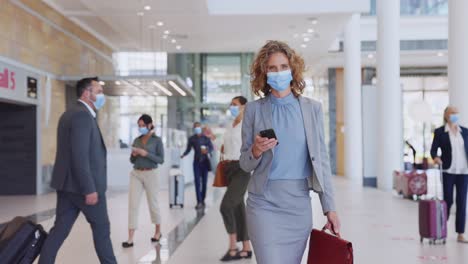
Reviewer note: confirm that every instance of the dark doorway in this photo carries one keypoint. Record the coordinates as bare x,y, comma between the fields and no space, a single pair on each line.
18,149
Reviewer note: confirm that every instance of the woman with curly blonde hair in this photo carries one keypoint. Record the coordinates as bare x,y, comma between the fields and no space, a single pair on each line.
285,168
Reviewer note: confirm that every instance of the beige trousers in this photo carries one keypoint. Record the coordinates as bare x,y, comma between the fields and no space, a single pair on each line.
148,182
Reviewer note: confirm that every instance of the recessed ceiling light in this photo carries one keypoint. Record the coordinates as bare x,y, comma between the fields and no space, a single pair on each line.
314,21
162,88
117,83
440,54
140,14
173,41
147,7
160,23
102,83
306,39
167,32
164,36
177,88
303,45
310,30
178,47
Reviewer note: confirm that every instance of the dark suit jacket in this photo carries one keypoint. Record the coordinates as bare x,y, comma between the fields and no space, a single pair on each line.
442,141
80,163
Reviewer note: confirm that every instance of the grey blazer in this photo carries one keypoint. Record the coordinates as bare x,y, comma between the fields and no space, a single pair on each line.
80,163
257,117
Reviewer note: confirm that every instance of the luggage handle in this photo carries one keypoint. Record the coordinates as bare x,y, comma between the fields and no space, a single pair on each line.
440,179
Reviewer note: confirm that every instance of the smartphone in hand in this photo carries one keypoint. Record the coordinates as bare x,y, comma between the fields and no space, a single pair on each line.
268,133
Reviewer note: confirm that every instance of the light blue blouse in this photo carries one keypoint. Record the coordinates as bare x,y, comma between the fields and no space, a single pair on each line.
291,159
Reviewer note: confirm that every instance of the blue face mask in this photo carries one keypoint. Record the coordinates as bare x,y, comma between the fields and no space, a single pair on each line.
279,81
143,130
234,110
100,101
454,118
197,130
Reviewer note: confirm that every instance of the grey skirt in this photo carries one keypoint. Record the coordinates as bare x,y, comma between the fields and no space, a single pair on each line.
280,221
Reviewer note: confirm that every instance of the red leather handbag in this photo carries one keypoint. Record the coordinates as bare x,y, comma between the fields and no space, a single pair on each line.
325,248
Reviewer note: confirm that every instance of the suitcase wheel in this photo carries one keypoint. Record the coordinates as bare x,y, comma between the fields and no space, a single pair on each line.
443,241
421,240
170,206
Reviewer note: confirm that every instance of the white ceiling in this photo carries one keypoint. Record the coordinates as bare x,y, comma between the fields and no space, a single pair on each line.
208,26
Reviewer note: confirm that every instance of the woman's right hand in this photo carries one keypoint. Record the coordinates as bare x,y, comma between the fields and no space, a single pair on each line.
262,144
437,161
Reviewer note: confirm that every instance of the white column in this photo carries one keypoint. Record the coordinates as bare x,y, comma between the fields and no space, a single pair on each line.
458,57
352,100
390,124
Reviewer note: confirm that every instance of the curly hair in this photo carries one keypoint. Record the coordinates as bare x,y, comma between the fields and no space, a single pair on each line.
258,70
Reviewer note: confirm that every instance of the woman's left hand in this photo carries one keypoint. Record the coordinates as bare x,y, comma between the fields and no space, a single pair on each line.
141,152
333,223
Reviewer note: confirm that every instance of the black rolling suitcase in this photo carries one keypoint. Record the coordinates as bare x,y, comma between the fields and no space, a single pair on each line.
21,241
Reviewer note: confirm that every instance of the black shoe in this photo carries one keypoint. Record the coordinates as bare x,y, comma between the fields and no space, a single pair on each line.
127,245
229,257
156,239
203,204
248,256
199,206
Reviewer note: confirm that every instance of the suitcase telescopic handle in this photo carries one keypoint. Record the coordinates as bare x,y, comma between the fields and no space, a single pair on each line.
440,179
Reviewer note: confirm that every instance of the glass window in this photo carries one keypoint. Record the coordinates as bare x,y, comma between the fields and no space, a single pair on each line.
221,78
417,7
434,91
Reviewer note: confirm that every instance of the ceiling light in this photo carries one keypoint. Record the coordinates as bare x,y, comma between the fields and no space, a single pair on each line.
370,56
102,83
155,94
306,39
160,23
117,83
167,32
310,30
178,47
147,7
440,54
125,93
303,45
140,14
137,83
177,88
173,41
162,88
164,36
314,21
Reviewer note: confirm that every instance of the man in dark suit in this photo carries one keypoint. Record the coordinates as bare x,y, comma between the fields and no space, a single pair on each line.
452,139
202,147
79,174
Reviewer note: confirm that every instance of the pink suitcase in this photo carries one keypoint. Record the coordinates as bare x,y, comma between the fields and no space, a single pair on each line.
410,183
433,219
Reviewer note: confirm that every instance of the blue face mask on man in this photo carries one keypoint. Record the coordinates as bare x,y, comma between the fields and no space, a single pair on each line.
454,118
234,109
280,81
143,130
198,130
100,101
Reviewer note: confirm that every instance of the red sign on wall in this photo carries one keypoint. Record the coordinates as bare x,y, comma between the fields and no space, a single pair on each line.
7,79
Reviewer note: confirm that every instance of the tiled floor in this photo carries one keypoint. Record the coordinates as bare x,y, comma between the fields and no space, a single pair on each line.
382,226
